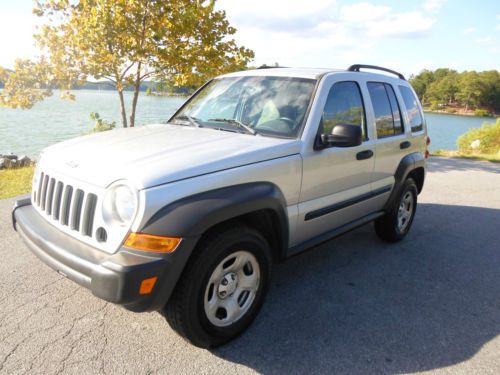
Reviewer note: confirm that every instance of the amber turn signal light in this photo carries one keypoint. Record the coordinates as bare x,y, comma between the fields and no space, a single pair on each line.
150,242
147,285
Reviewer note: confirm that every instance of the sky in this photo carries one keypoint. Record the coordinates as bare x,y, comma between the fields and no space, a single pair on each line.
405,35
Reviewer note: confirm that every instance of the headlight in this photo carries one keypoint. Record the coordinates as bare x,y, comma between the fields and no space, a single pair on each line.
120,204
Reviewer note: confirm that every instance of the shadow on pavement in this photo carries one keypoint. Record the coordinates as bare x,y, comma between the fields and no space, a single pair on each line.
358,305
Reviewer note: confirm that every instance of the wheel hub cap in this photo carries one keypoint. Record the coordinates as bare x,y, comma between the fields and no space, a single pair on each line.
232,288
405,211
227,285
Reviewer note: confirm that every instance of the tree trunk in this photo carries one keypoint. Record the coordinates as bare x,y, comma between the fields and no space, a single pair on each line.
137,86
122,107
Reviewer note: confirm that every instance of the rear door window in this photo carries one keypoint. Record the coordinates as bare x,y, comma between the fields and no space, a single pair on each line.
388,119
411,104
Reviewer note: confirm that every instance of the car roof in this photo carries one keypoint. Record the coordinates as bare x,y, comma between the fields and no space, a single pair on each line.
311,73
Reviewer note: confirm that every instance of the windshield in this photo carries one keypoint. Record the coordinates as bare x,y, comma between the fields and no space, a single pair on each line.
273,106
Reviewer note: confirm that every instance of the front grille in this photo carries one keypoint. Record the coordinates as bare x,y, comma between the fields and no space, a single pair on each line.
66,204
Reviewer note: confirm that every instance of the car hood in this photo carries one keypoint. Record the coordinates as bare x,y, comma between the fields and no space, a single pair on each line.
157,154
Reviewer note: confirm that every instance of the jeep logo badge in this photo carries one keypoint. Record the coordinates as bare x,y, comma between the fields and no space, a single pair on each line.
72,164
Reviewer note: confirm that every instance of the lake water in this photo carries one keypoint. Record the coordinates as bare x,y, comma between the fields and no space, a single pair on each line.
54,120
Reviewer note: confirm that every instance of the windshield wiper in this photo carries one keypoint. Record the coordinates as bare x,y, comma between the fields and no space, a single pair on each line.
235,122
192,120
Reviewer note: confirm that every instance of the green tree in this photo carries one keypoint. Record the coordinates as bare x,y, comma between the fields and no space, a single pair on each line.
421,83
445,86
125,42
470,89
490,90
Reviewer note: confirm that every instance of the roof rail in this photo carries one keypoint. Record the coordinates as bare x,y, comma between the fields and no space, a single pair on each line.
270,67
357,67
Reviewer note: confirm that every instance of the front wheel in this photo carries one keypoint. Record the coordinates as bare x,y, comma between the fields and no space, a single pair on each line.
222,287
396,223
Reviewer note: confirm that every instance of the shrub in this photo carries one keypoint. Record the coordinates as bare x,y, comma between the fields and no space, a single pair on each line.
100,124
434,105
488,136
482,112
450,110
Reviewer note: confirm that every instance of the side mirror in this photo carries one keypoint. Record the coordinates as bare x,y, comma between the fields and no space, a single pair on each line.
343,135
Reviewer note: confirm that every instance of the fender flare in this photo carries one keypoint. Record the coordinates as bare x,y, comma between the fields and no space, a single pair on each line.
194,215
409,163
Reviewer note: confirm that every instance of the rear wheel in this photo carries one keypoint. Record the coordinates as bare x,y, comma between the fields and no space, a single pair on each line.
394,225
222,287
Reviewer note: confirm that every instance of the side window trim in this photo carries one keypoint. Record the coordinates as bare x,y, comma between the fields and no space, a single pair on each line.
377,129
413,129
388,87
363,106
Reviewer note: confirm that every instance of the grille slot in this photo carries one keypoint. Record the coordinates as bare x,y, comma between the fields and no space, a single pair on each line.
88,215
76,210
44,191
57,200
50,195
68,205
39,192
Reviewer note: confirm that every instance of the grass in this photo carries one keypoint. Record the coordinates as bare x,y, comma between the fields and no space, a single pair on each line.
494,158
15,182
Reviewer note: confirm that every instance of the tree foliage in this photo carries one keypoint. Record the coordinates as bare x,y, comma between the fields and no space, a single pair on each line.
125,42
468,89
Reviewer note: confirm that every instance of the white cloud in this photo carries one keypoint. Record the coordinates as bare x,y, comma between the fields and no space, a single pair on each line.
433,5
320,32
400,25
382,21
484,40
469,30
363,12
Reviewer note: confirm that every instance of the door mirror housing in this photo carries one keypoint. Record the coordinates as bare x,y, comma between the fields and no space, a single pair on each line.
343,135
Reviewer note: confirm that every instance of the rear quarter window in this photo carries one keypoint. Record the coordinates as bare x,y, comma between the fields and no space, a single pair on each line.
411,104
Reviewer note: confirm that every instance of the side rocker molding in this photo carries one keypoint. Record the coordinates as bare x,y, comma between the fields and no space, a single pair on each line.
406,165
194,215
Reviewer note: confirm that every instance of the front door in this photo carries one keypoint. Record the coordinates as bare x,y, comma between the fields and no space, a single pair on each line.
336,182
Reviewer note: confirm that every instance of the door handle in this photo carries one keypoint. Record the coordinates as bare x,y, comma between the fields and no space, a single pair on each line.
367,154
404,145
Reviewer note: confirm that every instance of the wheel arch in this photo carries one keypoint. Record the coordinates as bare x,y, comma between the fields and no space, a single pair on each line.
260,205
412,165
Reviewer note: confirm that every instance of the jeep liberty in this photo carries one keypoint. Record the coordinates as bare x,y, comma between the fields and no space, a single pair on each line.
188,217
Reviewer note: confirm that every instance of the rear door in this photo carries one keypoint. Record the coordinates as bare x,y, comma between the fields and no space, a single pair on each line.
392,139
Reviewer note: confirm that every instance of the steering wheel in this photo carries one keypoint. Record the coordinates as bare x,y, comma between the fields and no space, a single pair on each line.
279,125
289,122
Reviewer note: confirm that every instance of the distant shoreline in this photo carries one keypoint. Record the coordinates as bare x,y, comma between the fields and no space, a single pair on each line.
464,114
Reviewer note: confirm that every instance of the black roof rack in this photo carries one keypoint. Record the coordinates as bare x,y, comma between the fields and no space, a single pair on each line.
357,67
270,67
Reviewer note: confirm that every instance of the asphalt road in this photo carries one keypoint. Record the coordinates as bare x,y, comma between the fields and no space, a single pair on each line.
354,305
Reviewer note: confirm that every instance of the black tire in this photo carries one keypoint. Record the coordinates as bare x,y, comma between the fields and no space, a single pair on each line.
185,311
387,227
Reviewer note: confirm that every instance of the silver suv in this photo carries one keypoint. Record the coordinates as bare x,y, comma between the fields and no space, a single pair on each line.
188,217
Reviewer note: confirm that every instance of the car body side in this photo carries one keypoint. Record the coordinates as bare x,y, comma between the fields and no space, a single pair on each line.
305,178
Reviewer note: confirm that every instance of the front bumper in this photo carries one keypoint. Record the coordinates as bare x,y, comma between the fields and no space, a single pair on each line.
113,277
